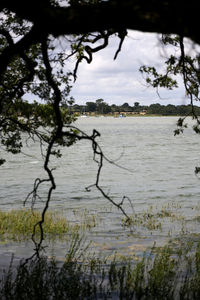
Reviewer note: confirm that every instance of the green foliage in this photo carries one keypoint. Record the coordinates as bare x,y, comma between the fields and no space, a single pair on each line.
165,273
91,106
180,126
102,107
18,225
158,80
182,64
152,109
31,72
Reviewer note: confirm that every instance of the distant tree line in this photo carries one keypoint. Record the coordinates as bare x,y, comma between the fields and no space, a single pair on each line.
101,107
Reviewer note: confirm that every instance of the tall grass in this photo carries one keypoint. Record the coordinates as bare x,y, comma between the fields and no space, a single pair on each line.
171,272
166,273
18,225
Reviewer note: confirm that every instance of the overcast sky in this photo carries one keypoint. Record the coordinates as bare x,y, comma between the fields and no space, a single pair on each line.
120,81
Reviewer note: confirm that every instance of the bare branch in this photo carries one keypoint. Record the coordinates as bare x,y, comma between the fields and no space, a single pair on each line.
122,35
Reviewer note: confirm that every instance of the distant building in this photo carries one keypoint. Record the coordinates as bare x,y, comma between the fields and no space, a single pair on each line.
143,112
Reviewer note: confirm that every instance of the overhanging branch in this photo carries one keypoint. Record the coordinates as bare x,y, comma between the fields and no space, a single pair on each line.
178,17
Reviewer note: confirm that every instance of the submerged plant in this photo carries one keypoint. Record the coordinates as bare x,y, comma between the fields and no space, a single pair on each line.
155,218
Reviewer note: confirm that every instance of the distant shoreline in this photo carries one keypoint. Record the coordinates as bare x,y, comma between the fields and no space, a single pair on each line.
126,116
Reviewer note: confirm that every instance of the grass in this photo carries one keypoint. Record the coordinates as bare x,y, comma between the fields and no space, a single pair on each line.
153,219
166,273
170,272
18,225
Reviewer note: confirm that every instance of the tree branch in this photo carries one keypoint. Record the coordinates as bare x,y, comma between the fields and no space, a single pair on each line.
178,17
18,49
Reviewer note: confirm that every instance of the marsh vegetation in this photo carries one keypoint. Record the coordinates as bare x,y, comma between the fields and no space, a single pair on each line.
170,271
167,273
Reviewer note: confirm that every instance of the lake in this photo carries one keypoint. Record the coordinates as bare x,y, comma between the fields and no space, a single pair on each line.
153,168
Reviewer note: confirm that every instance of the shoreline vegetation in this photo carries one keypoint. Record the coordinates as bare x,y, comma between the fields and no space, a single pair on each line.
101,108
125,110
124,115
168,272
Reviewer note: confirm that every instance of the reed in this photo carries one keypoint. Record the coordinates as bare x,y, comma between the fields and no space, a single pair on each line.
164,273
18,225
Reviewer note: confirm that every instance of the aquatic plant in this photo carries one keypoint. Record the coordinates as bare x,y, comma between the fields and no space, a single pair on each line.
154,217
165,273
18,224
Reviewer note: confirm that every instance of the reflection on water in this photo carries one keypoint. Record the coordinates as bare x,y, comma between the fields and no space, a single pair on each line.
160,181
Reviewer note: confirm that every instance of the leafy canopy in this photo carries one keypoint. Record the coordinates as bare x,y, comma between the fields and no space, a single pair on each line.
186,66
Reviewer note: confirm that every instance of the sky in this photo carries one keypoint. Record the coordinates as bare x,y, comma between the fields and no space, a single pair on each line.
119,81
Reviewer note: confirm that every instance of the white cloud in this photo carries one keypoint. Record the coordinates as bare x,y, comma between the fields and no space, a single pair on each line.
118,81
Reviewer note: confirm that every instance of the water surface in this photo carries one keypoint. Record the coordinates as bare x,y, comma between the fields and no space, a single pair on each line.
157,174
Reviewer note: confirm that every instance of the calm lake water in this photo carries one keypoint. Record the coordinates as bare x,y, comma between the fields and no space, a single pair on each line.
157,175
